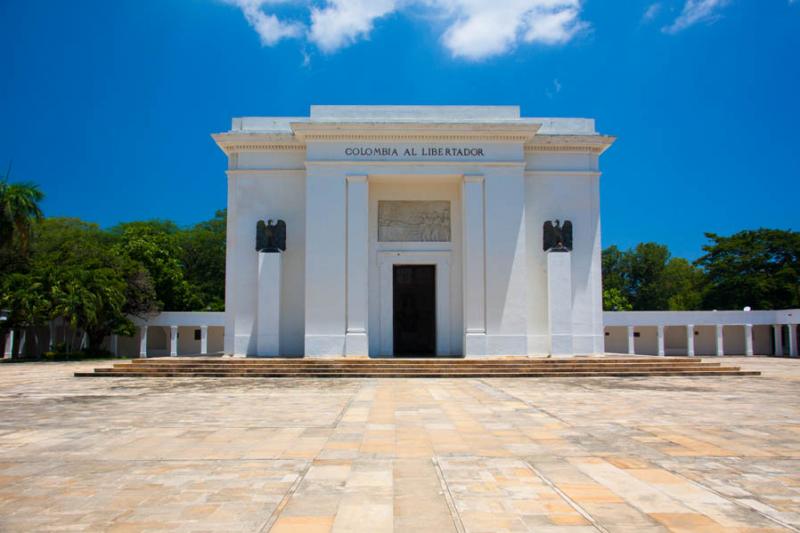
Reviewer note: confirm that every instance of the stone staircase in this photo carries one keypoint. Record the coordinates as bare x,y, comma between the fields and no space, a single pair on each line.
417,368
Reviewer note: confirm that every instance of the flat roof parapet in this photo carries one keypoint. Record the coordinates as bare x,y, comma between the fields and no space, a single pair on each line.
433,115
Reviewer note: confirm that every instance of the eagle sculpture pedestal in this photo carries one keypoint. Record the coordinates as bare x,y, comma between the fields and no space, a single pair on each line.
559,302
269,303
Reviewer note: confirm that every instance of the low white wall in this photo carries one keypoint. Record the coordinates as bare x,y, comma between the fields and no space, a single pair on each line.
709,318
645,325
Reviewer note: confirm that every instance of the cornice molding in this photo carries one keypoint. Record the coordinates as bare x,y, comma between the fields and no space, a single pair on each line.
583,144
562,173
234,143
415,162
414,132
266,171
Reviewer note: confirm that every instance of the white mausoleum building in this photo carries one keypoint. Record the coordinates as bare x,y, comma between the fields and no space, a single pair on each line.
419,231
413,231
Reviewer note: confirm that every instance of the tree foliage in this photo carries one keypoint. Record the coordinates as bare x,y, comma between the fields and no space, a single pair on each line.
756,268
203,256
158,251
19,210
648,278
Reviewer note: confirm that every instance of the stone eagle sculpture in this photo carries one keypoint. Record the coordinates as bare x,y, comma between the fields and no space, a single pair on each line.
270,237
556,237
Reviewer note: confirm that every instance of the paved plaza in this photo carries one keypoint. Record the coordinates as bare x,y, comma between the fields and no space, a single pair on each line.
445,455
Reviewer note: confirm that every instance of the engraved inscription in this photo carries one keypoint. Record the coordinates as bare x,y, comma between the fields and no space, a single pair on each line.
413,221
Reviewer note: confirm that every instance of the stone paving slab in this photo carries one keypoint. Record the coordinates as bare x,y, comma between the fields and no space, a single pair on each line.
442,455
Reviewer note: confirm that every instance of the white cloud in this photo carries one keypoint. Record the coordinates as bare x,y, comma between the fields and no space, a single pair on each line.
551,93
268,26
695,11
472,29
486,28
651,12
342,22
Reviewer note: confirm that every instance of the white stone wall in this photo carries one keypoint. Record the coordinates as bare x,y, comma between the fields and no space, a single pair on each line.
314,172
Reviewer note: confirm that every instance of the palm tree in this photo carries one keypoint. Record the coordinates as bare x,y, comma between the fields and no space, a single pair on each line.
19,208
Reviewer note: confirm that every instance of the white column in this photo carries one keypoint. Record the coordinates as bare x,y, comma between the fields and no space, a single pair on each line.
173,341
115,345
661,350
8,352
356,342
203,340
51,342
690,340
777,329
269,304
506,263
793,340
326,261
631,341
23,337
559,302
143,341
474,267
720,340
748,339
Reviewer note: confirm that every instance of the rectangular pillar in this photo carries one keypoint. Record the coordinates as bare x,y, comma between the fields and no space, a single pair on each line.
115,345
631,341
356,342
268,324
720,341
203,340
793,340
506,262
559,302
8,351
690,340
143,341
173,341
326,261
474,266
661,349
748,340
777,330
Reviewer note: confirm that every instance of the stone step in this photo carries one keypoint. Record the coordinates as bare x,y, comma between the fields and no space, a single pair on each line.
615,373
401,362
410,368
421,365
432,367
407,371
417,363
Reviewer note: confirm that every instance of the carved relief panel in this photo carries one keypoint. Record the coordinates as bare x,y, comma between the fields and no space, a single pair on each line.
413,221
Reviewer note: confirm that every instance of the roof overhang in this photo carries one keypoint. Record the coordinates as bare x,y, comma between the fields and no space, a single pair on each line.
414,131
304,132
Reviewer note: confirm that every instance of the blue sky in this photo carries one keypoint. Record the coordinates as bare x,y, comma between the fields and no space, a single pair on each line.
108,105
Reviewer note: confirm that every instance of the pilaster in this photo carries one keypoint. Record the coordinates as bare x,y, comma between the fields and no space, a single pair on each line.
356,341
474,266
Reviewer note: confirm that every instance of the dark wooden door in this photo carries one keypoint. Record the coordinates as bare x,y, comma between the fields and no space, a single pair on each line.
414,310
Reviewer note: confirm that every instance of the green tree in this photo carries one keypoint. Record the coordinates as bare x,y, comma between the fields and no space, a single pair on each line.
648,278
159,252
202,249
614,300
19,209
756,268
87,282
28,299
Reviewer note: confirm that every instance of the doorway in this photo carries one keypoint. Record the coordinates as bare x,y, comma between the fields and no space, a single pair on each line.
414,310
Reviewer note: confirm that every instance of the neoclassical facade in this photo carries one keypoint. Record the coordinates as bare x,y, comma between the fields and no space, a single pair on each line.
413,231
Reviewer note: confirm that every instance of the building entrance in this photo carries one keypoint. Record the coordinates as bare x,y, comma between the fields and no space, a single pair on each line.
414,310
